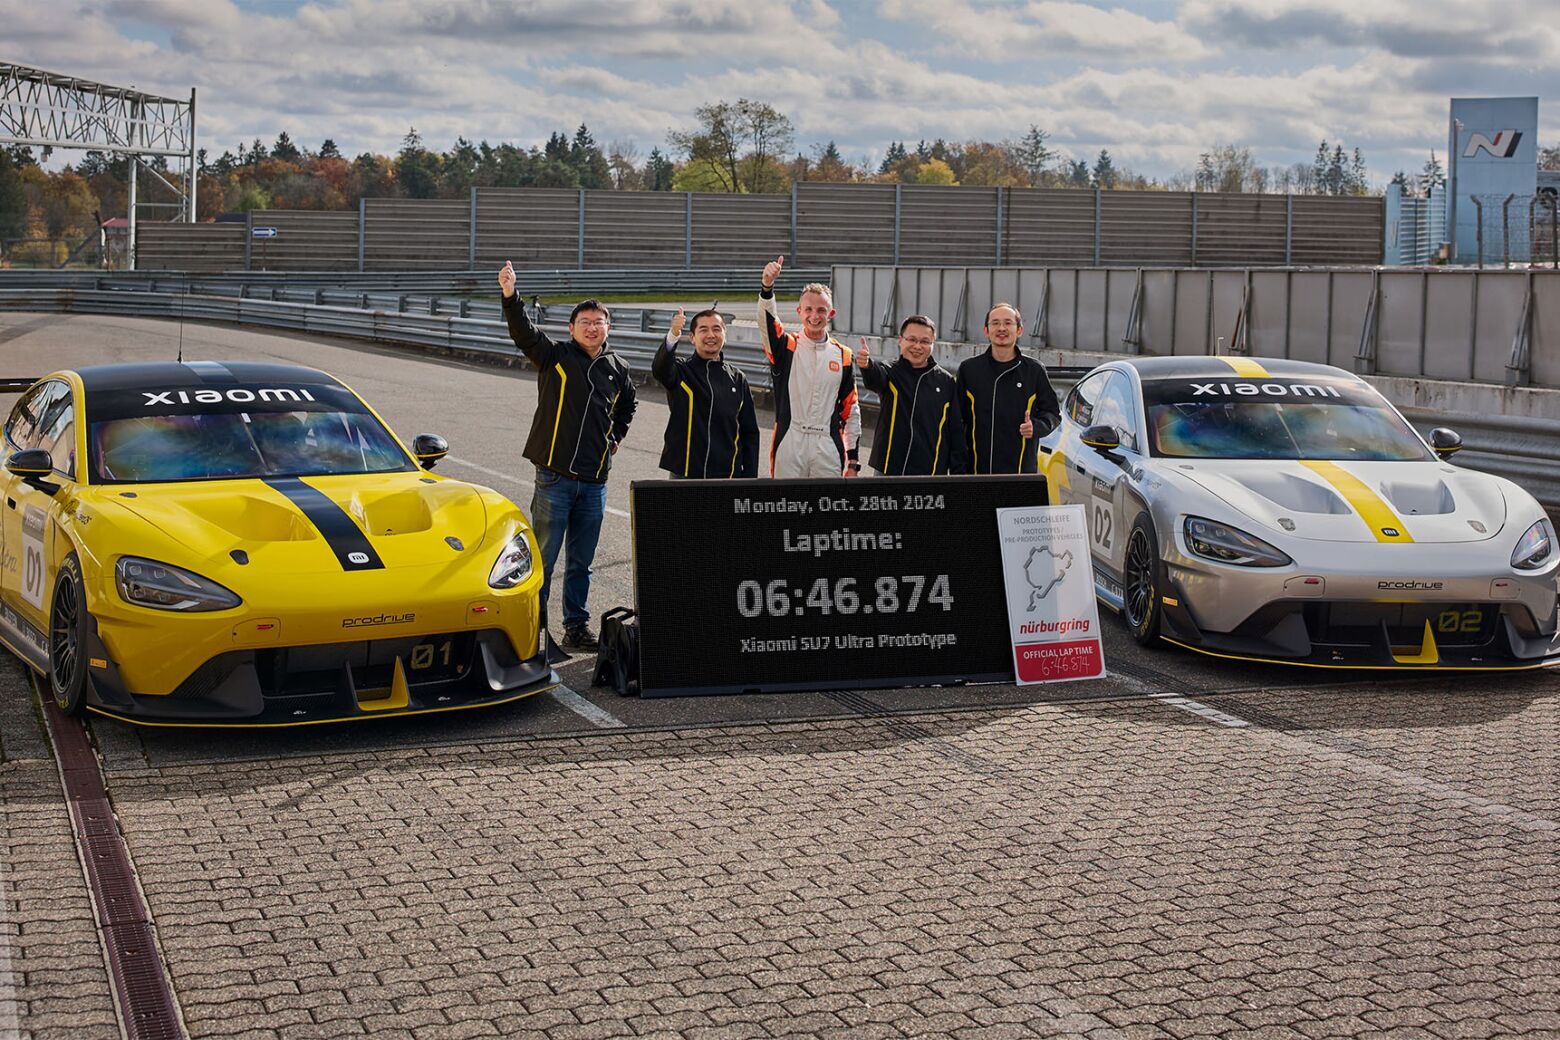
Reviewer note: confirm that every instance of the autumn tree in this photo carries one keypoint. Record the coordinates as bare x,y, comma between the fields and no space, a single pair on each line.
736,145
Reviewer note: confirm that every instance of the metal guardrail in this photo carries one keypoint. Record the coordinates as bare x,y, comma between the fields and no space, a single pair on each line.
444,331
1518,448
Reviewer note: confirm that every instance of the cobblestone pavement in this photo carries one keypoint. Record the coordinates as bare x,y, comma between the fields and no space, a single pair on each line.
53,983
1352,864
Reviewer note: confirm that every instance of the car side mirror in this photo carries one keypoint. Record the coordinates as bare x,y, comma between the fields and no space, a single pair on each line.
1102,438
34,466
1444,442
429,449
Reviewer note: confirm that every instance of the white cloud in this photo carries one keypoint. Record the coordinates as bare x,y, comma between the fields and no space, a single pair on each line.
1002,32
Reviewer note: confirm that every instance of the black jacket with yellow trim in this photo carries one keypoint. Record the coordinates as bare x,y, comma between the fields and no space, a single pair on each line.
993,397
584,403
713,430
920,430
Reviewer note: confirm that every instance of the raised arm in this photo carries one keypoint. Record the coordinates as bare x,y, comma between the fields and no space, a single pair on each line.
874,374
768,314
664,365
532,341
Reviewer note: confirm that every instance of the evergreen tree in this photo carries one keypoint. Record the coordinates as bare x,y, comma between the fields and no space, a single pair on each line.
284,149
1032,154
557,148
1337,171
1078,174
659,171
1401,180
923,151
416,168
1434,177
1319,169
1359,177
587,159
896,153
1206,179
256,154
1104,171
328,150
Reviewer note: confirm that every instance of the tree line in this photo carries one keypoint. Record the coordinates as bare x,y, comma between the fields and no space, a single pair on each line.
742,146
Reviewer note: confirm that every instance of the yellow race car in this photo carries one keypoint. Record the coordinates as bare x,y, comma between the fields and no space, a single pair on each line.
248,544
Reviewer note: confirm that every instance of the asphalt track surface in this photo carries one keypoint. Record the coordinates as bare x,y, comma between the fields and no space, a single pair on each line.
1190,847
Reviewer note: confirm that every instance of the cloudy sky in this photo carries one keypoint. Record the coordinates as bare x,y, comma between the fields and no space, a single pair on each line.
1155,81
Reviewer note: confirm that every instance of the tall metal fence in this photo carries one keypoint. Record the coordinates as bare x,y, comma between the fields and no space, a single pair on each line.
1482,326
815,224
1416,226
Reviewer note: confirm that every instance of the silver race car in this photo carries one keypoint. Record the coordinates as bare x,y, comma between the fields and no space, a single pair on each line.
1285,511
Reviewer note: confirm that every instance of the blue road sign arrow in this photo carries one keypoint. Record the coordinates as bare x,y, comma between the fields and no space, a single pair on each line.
263,232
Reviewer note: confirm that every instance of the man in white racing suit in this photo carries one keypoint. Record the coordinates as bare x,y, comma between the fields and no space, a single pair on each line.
817,418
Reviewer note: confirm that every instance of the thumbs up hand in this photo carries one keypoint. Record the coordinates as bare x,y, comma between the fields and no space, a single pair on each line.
1026,429
772,271
506,278
863,355
678,320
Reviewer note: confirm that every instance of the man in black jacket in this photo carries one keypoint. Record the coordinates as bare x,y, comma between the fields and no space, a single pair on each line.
919,429
1006,399
712,431
585,403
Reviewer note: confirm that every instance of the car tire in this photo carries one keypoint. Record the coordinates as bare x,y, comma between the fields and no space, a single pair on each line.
1142,580
68,623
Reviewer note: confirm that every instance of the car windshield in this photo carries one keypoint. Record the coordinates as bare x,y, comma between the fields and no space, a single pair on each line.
1311,418
234,432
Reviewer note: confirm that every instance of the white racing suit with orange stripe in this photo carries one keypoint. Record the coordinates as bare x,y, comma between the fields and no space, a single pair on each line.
817,421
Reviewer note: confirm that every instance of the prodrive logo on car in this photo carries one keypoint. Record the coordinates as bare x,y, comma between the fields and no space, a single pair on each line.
378,619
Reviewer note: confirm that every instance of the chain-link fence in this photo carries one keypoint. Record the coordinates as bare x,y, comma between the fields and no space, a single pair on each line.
52,253
1517,229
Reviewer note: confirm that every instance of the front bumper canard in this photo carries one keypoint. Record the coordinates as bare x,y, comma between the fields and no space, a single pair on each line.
1466,637
340,682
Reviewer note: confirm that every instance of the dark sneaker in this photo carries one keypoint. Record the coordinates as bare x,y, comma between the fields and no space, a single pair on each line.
578,637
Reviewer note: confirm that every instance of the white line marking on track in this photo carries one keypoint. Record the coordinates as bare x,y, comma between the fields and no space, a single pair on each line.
1177,701
516,480
1198,708
598,717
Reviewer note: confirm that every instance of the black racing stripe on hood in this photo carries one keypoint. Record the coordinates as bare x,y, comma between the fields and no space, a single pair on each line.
345,538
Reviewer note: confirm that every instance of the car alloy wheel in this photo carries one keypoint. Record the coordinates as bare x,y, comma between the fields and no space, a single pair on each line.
67,639
1140,577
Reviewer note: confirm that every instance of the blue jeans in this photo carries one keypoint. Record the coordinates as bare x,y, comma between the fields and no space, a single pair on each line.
568,511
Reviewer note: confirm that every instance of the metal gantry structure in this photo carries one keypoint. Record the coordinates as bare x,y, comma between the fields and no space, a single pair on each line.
52,110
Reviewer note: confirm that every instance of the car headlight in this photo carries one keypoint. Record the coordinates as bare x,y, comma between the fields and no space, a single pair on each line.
1225,544
1535,548
513,564
148,583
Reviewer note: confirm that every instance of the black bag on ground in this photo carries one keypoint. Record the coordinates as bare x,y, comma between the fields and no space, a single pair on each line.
617,657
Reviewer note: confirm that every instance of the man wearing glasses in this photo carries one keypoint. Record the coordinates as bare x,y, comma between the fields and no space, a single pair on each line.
1006,399
585,403
920,431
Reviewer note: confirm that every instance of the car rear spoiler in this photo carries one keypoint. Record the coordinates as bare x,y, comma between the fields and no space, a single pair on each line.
16,386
